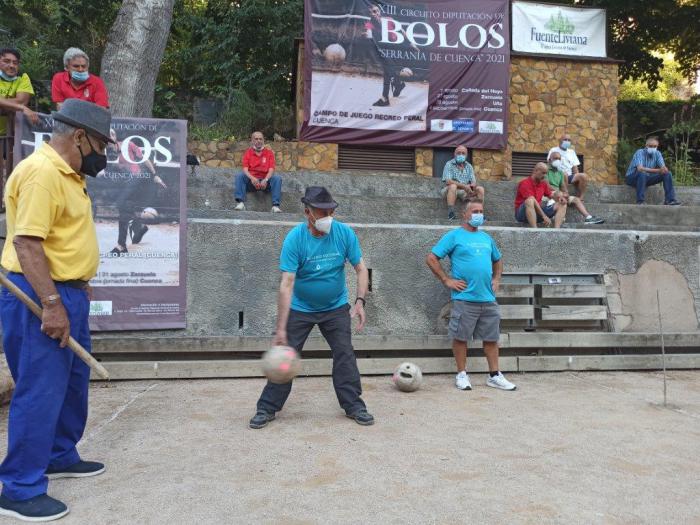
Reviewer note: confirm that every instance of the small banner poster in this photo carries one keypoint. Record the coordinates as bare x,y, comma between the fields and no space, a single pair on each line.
406,73
140,212
558,30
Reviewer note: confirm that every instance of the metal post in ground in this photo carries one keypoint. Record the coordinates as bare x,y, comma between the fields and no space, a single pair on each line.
663,349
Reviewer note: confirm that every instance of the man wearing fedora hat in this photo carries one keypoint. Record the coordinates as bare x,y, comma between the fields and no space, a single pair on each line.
51,253
313,292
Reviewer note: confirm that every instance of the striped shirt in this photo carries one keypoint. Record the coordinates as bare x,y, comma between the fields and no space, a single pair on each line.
641,157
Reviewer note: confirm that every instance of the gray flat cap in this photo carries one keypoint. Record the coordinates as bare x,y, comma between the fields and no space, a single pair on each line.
85,115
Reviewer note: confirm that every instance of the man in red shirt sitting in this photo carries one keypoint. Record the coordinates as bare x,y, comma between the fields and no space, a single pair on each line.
76,82
258,168
529,196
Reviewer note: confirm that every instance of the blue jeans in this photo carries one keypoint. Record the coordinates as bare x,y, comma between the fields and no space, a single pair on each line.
641,180
49,406
243,185
335,326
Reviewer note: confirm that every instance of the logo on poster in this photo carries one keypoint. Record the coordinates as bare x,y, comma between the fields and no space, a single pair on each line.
100,307
490,126
465,125
440,125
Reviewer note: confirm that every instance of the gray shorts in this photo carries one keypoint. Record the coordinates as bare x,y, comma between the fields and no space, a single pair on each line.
474,321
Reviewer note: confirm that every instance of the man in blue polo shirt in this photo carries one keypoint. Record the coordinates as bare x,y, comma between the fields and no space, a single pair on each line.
313,292
648,168
476,276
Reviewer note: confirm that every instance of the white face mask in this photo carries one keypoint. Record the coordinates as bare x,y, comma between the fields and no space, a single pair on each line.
556,164
324,224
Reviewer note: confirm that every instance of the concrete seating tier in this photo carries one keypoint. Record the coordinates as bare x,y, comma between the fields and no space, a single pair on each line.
406,199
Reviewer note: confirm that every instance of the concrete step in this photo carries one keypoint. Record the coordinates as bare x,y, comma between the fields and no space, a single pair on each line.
364,183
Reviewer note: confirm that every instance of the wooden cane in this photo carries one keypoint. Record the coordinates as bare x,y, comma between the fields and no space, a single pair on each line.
72,343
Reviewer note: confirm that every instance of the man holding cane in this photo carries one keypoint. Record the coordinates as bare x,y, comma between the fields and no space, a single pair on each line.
313,292
51,253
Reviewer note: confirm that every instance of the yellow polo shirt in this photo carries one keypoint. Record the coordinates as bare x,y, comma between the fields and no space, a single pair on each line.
10,90
45,198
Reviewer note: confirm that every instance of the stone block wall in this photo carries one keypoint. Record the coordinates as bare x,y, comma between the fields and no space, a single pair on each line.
548,97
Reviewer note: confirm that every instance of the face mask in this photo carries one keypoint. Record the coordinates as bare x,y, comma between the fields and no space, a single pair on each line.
7,77
565,144
324,224
79,76
460,159
556,164
92,163
476,220
651,151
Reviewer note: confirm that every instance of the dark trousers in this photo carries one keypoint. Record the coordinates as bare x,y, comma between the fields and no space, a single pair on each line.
641,180
49,406
335,327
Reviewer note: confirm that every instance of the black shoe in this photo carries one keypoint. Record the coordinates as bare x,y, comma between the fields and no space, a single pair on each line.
381,102
451,216
362,417
81,469
139,230
672,203
38,508
398,87
594,220
117,251
260,419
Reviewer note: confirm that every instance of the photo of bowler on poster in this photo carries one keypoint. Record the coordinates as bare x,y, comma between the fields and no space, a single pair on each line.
366,72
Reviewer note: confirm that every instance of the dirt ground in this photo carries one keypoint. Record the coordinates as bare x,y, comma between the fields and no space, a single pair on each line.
564,448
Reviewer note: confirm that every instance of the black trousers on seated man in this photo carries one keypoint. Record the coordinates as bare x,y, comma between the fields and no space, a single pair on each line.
335,327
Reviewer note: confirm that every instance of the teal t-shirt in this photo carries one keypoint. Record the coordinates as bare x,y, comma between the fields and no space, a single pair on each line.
472,255
319,265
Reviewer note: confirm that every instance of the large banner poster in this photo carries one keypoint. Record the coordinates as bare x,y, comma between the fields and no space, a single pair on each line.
406,73
559,30
140,212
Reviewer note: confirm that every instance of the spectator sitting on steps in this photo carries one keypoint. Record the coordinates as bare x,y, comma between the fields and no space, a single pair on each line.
529,196
459,181
258,169
648,168
570,164
557,181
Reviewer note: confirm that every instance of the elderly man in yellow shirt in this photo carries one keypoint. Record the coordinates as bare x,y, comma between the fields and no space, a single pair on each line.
51,253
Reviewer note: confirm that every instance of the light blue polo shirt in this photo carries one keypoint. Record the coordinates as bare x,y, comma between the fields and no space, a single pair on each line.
319,265
471,255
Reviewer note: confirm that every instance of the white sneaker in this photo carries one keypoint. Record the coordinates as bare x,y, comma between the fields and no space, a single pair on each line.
501,382
462,381
276,209
240,206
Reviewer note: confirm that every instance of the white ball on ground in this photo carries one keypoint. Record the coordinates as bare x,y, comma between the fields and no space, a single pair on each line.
335,54
406,72
149,213
408,377
281,364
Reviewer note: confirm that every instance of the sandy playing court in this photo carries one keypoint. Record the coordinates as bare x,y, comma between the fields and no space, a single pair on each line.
589,448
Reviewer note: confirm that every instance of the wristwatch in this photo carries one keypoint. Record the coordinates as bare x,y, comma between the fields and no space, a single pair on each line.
51,300
364,302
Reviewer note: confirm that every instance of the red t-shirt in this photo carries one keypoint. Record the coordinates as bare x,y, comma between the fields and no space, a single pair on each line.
377,30
259,165
528,188
135,155
93,89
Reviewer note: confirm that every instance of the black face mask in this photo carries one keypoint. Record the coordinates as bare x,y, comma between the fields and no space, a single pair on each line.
92,163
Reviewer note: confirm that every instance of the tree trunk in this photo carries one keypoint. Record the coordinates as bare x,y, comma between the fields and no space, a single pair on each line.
133,55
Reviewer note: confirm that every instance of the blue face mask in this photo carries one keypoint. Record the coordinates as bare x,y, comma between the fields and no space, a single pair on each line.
460,159
476,220
7,78
651,151
565,144
79,76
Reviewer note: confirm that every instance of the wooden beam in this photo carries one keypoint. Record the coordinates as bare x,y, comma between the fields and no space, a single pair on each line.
575,313
573,291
